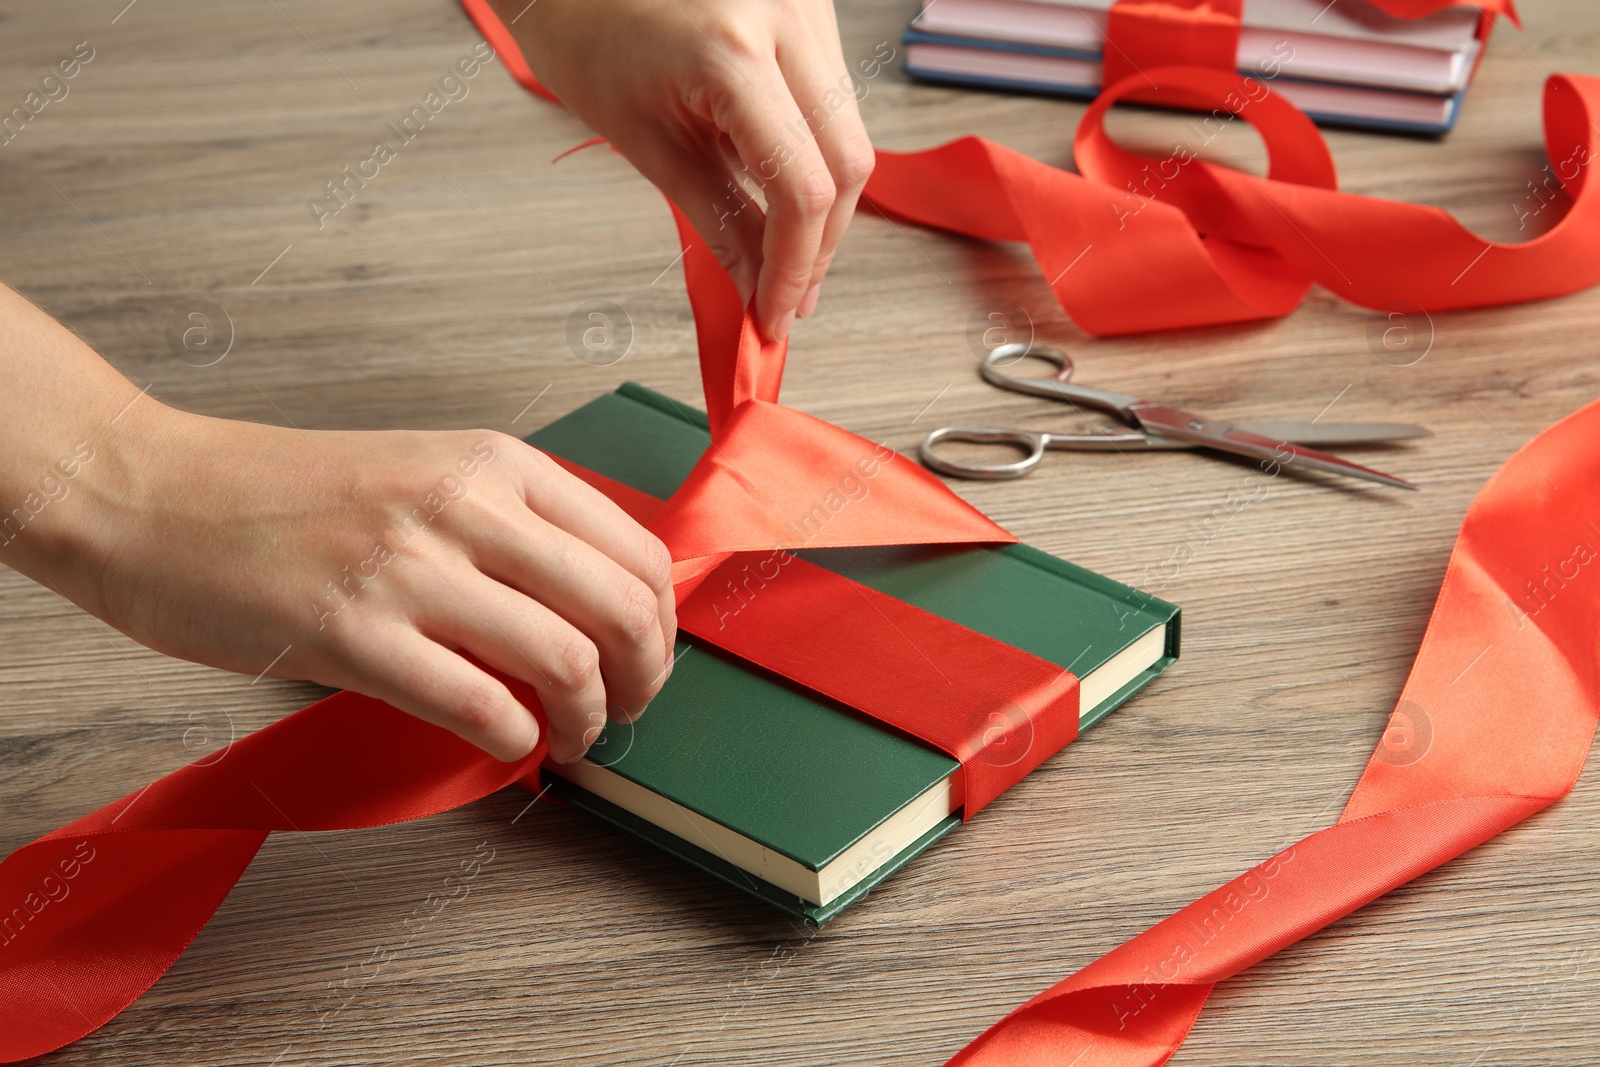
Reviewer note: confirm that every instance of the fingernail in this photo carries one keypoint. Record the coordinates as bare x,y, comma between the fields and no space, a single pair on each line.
519,751
597,723
780,329
531,740
808,303
620,713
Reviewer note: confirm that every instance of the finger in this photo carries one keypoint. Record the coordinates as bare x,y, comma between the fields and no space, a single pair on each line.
826,93
698,178
422,678
523,638
761,120
609,604
568,502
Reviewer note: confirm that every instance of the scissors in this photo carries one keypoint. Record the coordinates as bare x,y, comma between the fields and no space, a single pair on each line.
1152,426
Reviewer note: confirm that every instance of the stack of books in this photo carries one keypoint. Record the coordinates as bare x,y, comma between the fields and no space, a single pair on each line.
1344,63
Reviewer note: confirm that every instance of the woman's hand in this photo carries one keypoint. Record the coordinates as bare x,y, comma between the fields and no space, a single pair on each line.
372,561
708,98
375,561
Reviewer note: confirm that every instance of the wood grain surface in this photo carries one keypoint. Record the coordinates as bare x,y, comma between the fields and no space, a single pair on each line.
179,170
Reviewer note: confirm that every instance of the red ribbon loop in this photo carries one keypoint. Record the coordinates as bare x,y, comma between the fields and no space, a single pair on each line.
1190,243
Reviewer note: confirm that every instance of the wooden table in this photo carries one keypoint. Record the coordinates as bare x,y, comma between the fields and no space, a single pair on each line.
179,170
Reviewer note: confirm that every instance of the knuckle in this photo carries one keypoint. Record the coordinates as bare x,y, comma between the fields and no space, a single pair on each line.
728,254
482,444
342,634
795,276
478,706
518,447
539,470
638,619
496,442
657,563
732,35
477,512
856,161
491,447
509,456
812,192
575,664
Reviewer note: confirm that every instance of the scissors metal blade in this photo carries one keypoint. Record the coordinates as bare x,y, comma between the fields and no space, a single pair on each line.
1226,437
1336,433
1331,434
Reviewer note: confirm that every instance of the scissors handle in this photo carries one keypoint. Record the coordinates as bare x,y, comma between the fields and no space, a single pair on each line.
1029,442
1056,387
1034,445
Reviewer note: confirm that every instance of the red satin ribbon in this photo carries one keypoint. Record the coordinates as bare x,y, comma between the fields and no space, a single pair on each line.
1145,34
767,466
1494,723
101,908
98,910
109,902
1460,762
1148,243
1142,35
921,674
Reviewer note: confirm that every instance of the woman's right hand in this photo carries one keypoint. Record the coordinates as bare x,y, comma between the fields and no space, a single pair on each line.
708,98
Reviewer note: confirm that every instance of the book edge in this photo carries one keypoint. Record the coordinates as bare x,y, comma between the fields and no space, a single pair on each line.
737,877
1087,92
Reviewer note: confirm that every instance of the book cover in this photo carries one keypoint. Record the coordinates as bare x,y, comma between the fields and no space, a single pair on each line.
989,63
786,794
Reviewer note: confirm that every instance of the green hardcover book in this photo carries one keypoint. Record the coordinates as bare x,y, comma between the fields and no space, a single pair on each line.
789,795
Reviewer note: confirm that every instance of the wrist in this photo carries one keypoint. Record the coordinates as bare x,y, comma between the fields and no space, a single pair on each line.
530,26
101,494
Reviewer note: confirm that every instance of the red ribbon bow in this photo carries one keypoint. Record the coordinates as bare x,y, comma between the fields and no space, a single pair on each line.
766,467
1151,243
